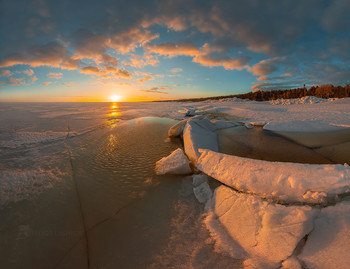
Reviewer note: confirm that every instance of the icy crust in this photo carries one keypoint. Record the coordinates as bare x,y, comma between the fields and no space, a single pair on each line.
27,138
177,129
328,246
175,163
289,182
261,233
201,188
23,185
302,100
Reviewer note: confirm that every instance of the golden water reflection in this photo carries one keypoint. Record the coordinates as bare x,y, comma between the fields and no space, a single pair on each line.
113,115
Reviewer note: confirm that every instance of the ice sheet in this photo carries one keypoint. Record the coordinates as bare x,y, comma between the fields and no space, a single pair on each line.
289,182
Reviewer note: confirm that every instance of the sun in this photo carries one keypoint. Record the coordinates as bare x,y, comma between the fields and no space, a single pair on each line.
115,98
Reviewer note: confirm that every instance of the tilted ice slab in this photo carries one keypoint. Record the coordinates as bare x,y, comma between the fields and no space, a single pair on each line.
328,246
290,182
197,136
261,233
201,188
175,163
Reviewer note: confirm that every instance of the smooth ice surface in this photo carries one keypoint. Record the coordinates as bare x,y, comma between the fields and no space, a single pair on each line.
282,181
328,246
261,233
177,128
175,163
196,137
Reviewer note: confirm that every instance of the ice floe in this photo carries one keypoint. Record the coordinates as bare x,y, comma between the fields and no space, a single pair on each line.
175,163
261,233
290,182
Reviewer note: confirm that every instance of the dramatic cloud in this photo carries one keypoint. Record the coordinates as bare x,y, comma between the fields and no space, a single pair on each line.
51,54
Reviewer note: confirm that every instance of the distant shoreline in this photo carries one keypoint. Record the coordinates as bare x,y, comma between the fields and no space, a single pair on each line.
325,91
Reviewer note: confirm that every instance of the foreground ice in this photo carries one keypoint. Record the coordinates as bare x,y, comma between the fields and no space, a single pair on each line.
175,163
201,188
290,182
196,137
261,233
328,246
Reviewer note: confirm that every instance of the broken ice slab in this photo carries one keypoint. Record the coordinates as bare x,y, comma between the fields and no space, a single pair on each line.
328,246
288,182
261,233
176,163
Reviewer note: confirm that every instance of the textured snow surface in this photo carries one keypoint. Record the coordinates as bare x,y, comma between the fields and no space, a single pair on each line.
196,137
289,182
303,126
175,163
302,100
328,246
261,233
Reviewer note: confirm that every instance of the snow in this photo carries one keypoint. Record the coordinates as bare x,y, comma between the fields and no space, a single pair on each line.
175,163
302,100
302,126
328,246
290,182
196,137
201,188
261,233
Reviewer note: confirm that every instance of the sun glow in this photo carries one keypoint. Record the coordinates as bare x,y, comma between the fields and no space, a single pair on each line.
115,98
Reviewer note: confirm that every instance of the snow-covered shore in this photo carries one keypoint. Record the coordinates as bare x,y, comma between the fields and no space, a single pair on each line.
283,231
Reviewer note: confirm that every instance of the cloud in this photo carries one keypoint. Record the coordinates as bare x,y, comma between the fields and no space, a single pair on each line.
55,75
90,70
227,63
158,89
15,81
141,61
176,70
172,49
146,78
47,83
68,84
28,72
5,73
33,79
176,85
51,54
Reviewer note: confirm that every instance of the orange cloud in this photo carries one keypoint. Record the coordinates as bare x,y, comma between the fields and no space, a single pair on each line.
28,72
55,75
139,62
46,83
172,50
90,70
5,73
128,40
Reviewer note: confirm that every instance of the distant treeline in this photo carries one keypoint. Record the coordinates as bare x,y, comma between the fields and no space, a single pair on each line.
324,91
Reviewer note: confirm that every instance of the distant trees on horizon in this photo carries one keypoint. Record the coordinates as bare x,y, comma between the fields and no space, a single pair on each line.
323,91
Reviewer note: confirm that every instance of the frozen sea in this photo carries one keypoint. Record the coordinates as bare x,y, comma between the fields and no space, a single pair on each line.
78,187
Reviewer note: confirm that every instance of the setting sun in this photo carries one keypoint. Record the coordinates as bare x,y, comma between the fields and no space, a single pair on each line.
115,98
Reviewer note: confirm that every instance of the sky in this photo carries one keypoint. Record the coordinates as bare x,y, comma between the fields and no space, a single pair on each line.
140,50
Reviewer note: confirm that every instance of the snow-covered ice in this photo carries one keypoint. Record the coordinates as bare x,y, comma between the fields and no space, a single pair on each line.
328,246
261,233
175,163
196,137
177,129
290,182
